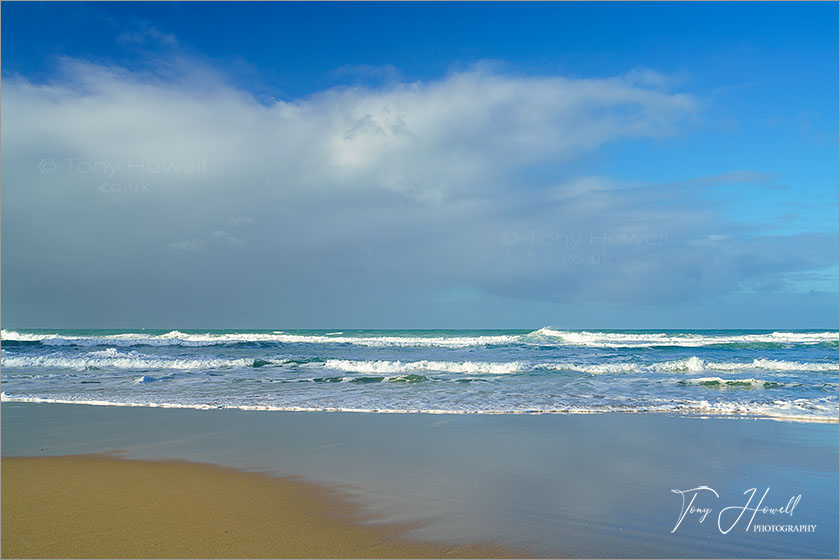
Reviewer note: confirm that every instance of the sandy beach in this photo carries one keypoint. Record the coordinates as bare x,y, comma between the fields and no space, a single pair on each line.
305,484
100,507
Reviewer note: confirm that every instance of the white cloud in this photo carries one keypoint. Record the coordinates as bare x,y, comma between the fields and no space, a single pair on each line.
423,140
359,192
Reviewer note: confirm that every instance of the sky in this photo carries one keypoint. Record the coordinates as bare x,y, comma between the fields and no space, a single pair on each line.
419,165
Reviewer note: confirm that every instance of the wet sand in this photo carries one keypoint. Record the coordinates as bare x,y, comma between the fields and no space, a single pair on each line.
98,507
571,486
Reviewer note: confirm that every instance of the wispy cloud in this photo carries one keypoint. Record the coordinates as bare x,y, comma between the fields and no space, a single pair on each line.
189,245
146,35
385,72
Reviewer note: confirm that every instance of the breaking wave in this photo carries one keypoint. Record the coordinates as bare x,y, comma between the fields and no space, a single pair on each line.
543,336
113,358
646,339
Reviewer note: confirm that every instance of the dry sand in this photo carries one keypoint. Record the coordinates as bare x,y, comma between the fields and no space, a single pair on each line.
96,507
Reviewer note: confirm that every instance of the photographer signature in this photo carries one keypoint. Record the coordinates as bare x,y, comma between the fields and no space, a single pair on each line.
728,517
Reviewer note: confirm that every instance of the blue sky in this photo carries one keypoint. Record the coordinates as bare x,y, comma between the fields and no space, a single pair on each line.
407,165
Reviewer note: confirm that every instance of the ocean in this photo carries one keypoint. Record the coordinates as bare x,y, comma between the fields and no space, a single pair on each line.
790,375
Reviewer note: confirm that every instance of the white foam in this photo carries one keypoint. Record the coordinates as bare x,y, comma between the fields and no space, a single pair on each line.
735,383
695,364
178,338
690,364
543,336
111,358
798,410
629,340
384,366
150,379
780,365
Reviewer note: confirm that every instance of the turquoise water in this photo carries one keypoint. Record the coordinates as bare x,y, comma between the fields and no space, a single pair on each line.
781,374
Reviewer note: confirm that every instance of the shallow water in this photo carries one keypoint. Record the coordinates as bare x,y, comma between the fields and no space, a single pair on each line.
555,485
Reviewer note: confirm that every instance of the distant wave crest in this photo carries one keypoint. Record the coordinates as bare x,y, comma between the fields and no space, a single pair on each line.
547,335
178,338
544,336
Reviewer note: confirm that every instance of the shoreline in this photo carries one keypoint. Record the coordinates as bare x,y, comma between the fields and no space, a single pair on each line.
559,412
94,506
591,486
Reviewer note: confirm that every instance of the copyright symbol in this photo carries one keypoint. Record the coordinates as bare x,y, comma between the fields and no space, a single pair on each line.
47,166
510,238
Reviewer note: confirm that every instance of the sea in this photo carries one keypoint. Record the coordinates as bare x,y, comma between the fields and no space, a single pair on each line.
782,374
